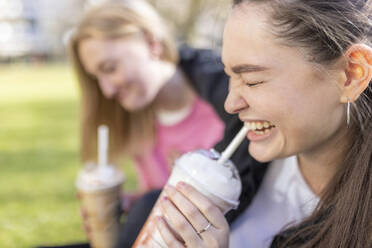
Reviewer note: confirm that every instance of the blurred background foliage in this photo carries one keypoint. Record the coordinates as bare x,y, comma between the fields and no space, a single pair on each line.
35,29
39,110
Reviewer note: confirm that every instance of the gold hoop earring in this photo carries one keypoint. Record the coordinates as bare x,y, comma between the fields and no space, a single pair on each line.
348,113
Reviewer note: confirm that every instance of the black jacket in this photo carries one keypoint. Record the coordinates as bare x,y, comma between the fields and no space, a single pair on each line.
205,72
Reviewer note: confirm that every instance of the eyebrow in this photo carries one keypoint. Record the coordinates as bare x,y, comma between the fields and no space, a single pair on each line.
246,68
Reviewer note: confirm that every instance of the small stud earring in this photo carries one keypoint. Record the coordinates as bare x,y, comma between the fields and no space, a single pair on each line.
348,113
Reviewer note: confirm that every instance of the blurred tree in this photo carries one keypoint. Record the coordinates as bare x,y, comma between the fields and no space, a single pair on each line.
199,22
36,27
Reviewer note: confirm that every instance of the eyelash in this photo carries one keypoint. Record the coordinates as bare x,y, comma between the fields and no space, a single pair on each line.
253,84
108,70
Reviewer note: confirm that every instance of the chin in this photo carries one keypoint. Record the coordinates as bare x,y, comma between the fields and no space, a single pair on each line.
133,107
260,155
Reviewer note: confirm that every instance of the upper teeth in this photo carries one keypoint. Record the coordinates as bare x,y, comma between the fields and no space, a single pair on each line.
258,125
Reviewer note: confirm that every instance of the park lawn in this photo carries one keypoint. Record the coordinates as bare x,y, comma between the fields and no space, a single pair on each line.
39,158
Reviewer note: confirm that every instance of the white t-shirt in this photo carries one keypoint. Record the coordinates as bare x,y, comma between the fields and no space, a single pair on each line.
283,198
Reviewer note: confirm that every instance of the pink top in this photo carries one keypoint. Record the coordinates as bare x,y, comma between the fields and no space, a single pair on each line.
201,129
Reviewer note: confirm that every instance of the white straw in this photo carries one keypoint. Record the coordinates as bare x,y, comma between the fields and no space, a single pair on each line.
238,139
102,145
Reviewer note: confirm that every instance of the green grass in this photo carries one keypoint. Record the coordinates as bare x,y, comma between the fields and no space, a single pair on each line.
39,156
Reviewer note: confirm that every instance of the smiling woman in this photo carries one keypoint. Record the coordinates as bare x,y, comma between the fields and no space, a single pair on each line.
134,80
131,81
300,78
288,78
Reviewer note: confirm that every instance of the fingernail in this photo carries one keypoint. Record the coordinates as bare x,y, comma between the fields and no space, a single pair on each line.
158,218
180,185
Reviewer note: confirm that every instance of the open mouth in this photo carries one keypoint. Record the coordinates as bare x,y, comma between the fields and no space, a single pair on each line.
259,127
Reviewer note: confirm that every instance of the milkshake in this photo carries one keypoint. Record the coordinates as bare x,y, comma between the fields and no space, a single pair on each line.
100,186
211,173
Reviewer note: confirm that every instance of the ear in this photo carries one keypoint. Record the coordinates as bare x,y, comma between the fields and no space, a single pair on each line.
155,46
358,72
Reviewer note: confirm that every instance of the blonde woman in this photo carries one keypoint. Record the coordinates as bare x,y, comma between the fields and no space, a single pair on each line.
133,79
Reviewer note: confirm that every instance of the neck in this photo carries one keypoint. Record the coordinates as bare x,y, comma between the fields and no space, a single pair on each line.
320,165
176,93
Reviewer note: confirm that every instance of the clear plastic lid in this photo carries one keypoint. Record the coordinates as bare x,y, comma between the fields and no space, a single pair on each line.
221,180
93,177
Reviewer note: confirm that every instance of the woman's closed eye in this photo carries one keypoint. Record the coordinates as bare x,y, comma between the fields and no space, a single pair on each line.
252,84
107,67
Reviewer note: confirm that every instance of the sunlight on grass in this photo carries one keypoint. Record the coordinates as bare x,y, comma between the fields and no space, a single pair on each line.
41,82
39,156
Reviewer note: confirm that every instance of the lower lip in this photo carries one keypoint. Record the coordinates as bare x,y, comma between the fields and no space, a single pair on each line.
252,136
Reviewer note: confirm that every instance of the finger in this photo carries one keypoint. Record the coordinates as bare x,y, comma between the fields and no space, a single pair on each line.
125,204
213,214
87,229
180,223
166,234
188,209
84,213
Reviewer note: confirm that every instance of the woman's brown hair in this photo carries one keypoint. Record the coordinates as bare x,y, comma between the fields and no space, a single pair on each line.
130,132
326,29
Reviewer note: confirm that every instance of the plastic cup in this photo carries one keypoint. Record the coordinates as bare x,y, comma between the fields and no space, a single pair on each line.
100,189
220,182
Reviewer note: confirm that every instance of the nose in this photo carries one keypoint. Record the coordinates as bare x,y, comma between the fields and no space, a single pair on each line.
109,90
234,102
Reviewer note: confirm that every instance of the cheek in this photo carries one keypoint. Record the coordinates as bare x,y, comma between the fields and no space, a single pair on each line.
148,84
269,103
144,86
134,76
310,120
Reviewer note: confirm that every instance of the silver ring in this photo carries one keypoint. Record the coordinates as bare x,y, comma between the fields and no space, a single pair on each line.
205,228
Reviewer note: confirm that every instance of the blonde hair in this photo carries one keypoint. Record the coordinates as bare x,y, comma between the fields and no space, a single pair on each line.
129,132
